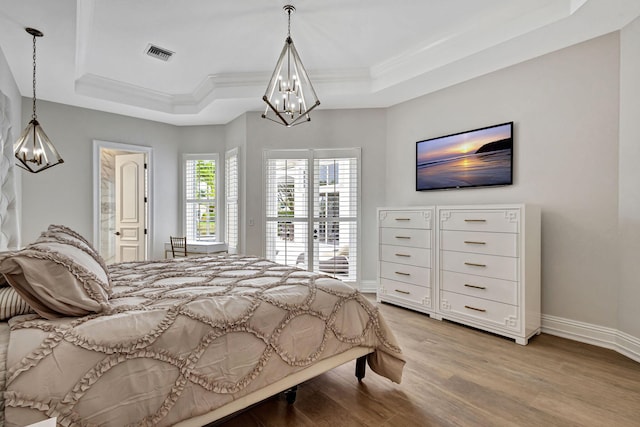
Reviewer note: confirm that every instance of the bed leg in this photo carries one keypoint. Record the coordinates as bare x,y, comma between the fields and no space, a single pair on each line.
361,366
290,394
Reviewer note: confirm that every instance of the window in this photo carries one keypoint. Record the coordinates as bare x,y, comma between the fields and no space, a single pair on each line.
328,173
200,204
312,209
231,199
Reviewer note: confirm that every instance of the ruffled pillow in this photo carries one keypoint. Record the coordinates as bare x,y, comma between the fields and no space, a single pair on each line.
58,279
64,234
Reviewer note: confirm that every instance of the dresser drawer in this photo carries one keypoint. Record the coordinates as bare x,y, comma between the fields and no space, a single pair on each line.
505,268
406,255
489,288
405,291
504,244
405,237
406,219
419,276
500,220
493,313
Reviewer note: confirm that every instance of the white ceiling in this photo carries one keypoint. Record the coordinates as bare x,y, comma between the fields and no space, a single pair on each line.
359,53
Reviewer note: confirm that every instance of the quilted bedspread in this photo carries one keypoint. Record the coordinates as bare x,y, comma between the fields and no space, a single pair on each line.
184,337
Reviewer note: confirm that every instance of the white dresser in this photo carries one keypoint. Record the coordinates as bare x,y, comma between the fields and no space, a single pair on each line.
406,257
484,270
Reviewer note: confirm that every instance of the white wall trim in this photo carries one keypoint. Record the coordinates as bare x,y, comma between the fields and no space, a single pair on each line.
368,286
588,333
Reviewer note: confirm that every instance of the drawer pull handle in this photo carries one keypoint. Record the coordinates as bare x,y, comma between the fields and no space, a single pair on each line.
474,264
471,242
404,255
475,220
475,286
403,219
474,308
403,292
403,237
403,274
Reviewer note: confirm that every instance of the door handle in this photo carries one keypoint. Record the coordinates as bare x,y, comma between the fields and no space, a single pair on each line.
117,233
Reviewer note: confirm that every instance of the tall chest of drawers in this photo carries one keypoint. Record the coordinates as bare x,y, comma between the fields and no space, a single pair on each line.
405,268
483,266
489,268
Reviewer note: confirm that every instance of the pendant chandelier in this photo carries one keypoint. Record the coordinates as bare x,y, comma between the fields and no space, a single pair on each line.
33,149
289,96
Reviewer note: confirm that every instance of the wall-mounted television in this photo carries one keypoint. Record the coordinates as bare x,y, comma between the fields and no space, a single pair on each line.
475,158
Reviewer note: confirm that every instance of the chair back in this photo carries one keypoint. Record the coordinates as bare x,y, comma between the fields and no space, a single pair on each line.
178,246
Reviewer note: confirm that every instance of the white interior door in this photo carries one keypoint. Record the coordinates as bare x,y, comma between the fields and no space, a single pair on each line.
130,207
312,206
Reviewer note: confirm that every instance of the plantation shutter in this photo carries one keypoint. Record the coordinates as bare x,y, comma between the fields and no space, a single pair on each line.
200,182
231,199
335,214
312,208
287,211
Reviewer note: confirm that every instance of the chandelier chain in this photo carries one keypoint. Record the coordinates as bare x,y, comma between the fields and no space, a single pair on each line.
33,116
289,8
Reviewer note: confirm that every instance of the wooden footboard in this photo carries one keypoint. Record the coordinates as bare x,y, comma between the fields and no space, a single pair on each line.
358,353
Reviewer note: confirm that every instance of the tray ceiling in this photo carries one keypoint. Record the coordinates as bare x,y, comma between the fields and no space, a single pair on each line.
359,53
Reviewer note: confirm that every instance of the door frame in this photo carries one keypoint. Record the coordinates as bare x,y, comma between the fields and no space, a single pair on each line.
99,145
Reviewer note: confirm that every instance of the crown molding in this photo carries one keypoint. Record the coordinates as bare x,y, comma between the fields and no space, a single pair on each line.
211,89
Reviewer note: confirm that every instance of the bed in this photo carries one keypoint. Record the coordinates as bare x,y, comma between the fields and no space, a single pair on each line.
172,342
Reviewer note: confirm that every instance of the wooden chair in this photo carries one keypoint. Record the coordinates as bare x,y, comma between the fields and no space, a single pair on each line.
178,246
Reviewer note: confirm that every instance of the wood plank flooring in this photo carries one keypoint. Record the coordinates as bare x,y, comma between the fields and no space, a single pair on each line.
458,376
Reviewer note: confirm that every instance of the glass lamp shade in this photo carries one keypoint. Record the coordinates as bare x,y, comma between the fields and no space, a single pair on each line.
289,96
34,150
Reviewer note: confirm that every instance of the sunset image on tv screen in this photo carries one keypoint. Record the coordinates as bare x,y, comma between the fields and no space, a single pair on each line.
470,159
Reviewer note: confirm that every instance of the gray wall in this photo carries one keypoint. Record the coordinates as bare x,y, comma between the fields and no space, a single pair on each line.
64,194
565,108
576,155
629,180
9,87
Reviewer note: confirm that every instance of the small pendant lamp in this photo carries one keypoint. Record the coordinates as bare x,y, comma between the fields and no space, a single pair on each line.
290,95
33,149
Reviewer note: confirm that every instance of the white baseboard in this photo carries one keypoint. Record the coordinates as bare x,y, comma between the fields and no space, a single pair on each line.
368,286
601,336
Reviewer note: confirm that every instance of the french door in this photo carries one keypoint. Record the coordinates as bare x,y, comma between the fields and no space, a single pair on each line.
312,209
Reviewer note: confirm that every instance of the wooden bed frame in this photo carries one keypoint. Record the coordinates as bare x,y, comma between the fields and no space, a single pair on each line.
287,383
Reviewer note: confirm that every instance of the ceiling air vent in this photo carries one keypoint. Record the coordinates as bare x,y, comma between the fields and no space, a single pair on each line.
158,52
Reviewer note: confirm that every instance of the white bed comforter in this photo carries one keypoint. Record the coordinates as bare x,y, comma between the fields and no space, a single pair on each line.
183,338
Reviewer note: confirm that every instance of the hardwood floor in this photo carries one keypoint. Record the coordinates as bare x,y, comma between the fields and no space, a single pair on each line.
458,376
